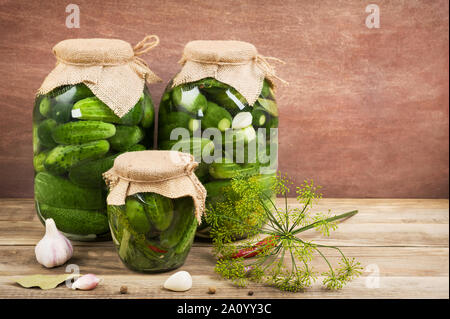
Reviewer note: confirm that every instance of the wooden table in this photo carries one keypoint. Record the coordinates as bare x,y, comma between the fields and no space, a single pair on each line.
402,244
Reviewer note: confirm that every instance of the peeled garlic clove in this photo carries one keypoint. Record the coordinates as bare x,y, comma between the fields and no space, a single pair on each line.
86,282
179,281
242,120
54,249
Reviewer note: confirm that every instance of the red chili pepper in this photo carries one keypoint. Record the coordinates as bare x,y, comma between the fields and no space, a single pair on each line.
257,248
156,249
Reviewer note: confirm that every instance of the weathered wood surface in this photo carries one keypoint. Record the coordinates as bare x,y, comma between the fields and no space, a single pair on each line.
404,241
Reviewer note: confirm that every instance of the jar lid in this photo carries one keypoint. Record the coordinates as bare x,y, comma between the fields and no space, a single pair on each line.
168,173
93,51
219,51
235,63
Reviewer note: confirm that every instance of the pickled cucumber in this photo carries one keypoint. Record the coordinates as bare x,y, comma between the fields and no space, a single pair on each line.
159,210
60,159
59,192
126,137
76,221
82,132
137,218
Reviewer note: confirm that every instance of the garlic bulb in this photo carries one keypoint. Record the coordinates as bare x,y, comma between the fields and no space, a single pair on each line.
54,249
86,282
179,281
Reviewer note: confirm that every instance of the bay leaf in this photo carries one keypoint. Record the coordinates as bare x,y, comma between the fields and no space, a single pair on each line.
44,281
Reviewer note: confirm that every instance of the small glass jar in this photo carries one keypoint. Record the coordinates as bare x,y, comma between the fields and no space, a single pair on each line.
153,233
155,203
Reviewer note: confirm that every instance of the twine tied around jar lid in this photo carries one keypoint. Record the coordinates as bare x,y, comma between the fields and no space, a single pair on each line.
111,68
168,173
235,63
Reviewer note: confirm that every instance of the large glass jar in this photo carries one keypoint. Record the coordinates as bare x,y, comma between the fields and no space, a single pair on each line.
153,233
76,138
215,123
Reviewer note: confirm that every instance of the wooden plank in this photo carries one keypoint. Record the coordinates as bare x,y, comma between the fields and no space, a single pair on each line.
404,273
151,287
436,235
426,211
395,261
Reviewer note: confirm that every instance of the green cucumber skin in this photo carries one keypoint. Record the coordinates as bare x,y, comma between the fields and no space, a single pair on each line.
89,174
92,108
37,145
148,116
82,132
215,190
202,172
180,119
180,100
187,238
259,117
220,97
230,170
269,105
73,94
183,215
164,131
38,161
62,158
136,215
134,116
45,106
267,91
59,192
214,115
136,148
44,132
126,137
76,221
159,210
61,112
193,145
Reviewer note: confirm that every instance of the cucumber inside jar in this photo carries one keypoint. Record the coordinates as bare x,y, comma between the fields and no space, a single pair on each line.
243,131
153,233
76,138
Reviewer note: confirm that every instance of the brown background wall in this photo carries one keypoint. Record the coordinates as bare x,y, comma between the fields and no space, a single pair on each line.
366,112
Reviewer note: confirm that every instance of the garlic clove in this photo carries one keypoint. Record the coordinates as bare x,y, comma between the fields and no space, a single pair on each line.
86,282
54,249
179,281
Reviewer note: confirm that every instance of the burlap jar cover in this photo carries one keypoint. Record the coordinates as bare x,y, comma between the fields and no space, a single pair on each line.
235,63
168,173
111,68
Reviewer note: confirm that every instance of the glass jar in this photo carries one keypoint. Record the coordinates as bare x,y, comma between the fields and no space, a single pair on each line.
153,233
76,138
215,123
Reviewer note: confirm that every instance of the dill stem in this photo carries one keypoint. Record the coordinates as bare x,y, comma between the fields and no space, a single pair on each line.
331,219
300,215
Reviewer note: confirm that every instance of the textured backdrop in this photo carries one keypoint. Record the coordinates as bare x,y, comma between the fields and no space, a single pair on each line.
366,111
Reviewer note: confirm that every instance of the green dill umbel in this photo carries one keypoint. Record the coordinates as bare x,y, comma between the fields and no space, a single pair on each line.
278,256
